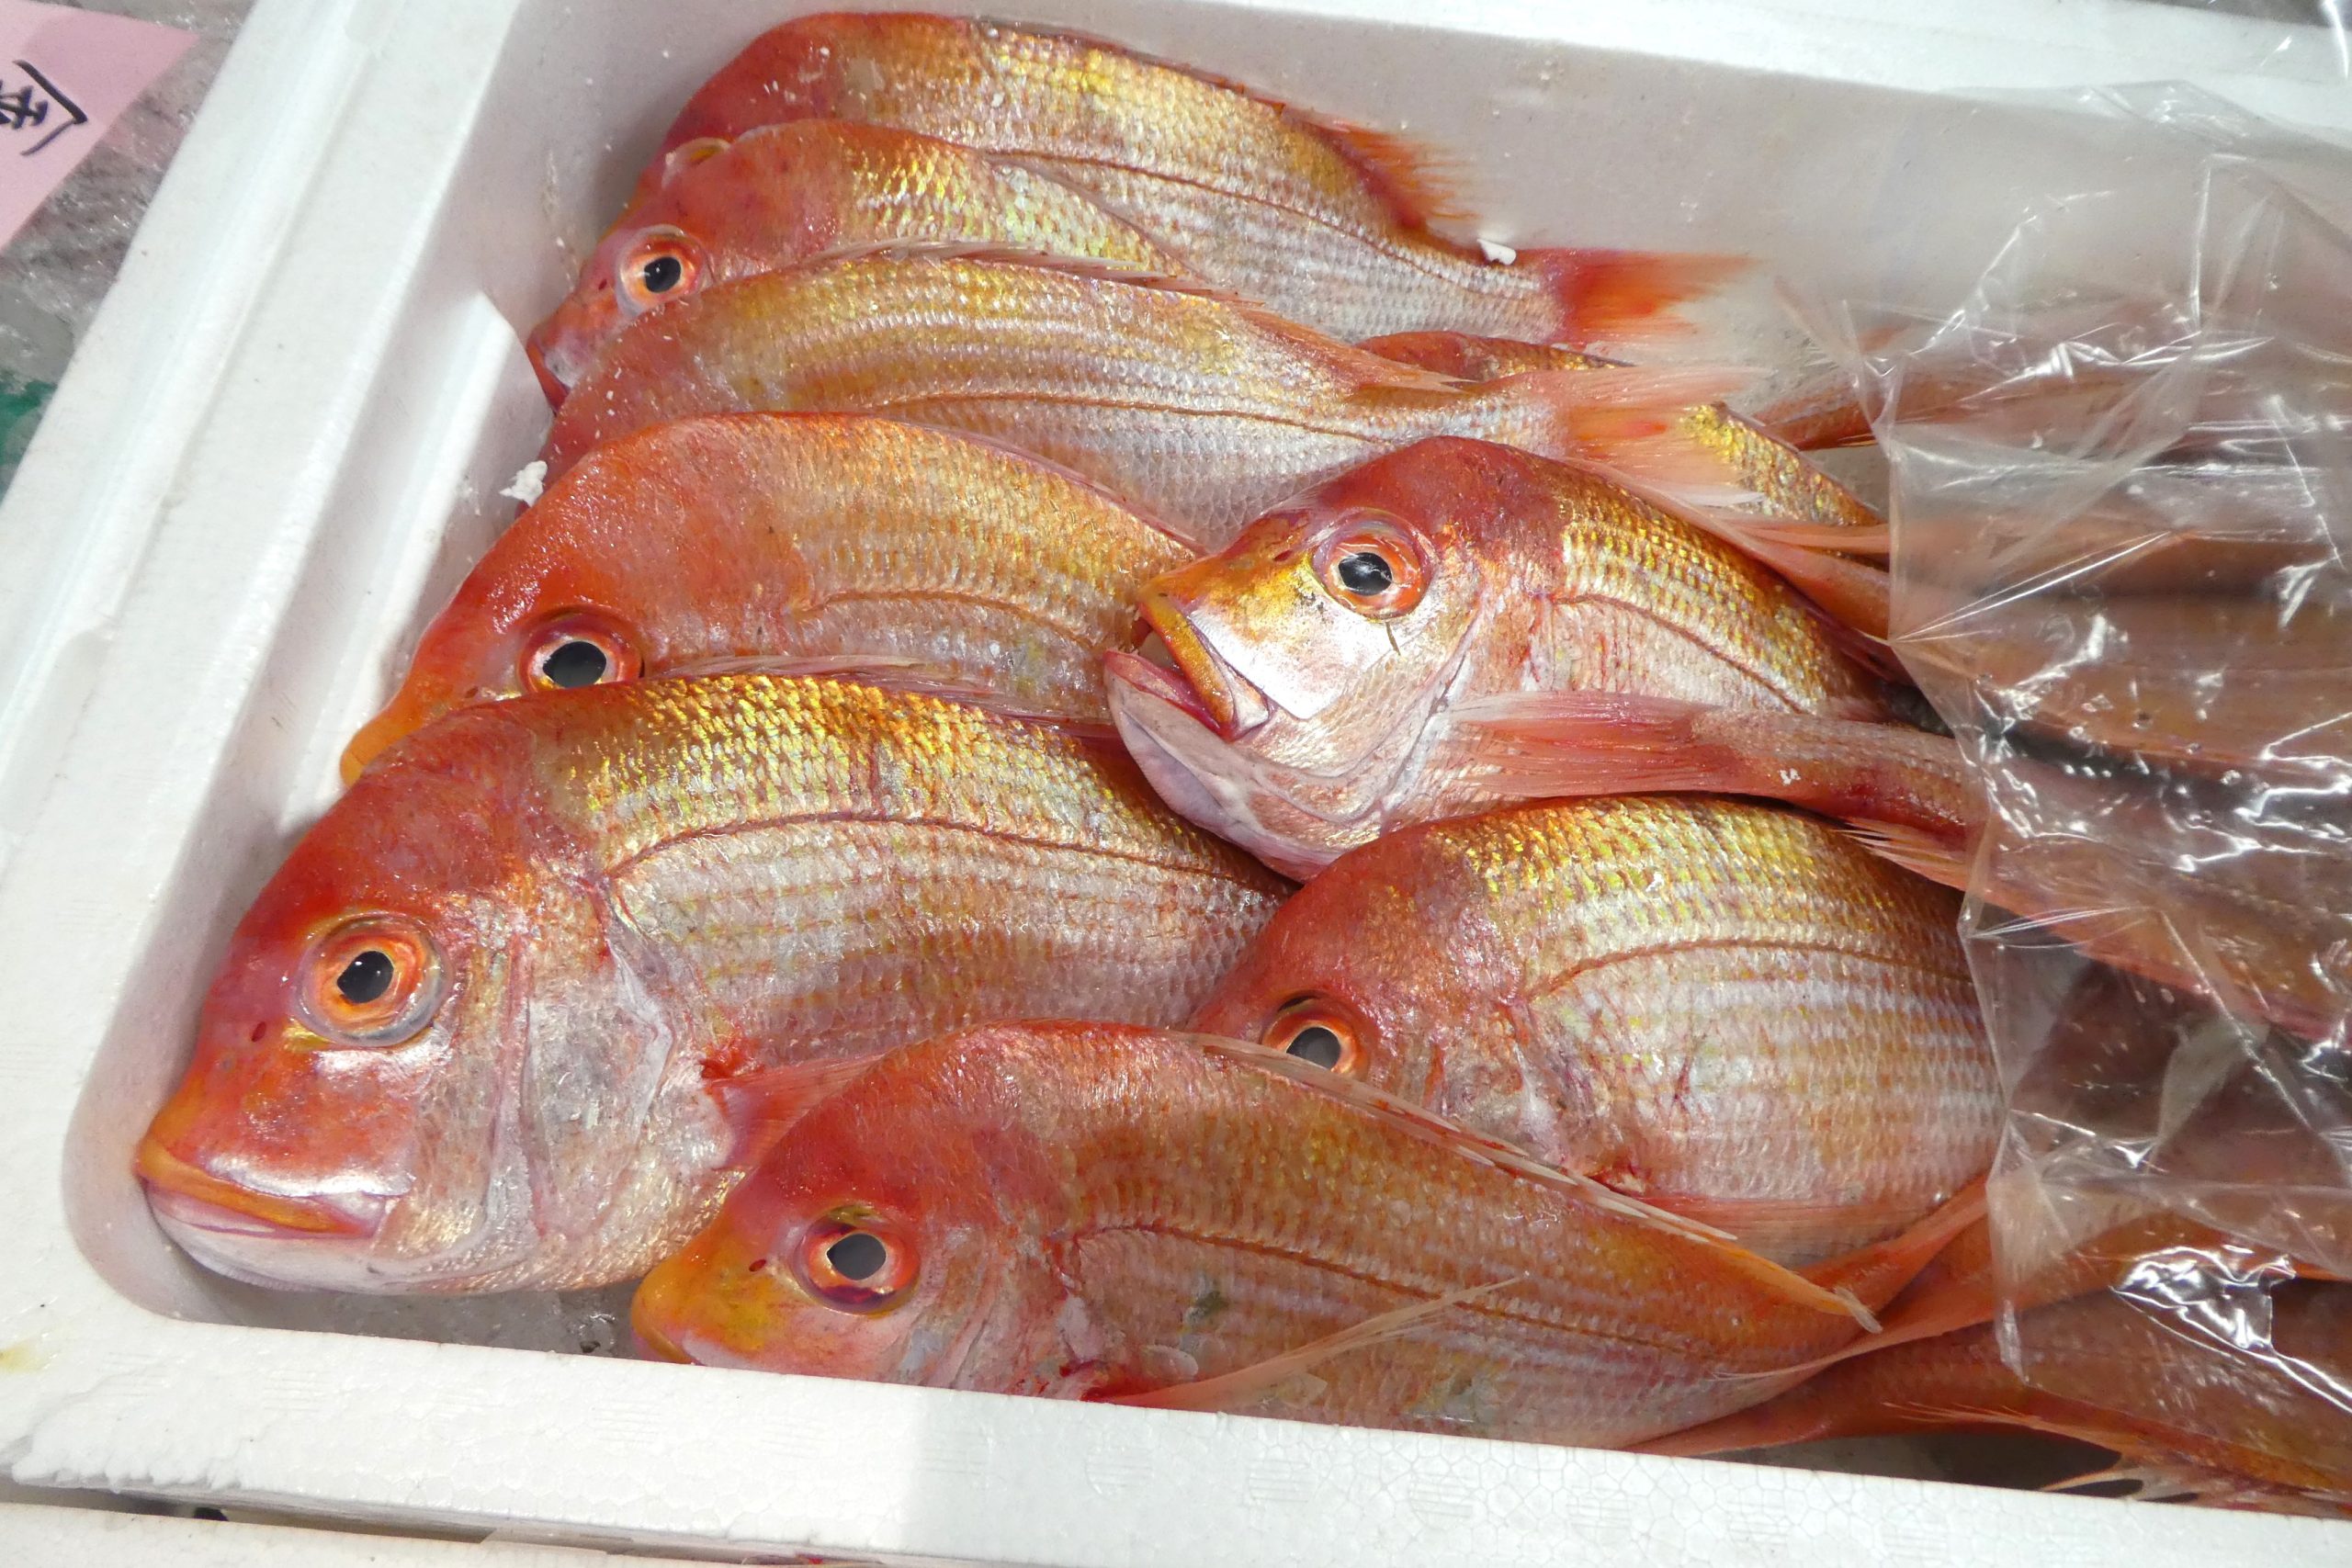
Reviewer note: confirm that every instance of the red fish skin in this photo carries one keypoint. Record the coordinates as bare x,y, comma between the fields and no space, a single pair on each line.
1076,1210
2106,1370
784,194
758,538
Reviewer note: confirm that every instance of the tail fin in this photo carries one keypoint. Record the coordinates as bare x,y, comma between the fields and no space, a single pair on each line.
1625,296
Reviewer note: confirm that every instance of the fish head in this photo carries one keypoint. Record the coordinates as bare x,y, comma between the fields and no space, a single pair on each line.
1331,617
853,1251
1386,968
654,257
1305,659
538,614
412,1023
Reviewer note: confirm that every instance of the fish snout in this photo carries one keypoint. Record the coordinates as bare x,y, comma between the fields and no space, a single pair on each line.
653,1313
188,1197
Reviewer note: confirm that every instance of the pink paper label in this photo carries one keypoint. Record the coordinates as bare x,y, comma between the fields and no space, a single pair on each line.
65,76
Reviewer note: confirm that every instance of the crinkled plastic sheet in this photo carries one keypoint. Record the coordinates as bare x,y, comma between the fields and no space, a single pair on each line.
2120,477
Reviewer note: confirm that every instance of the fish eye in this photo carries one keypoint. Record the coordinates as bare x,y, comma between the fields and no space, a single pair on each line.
662,266
575,650
1366,572
856,1262
1319,1034
1373,567
373,980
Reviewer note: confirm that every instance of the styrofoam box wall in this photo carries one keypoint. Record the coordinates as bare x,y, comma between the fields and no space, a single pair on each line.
283,444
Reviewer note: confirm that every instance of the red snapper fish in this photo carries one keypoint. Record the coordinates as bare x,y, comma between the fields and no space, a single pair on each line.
1729,1008
794,538
1083,1211
473,1033
784,194
1459,624
1328,224
1199,408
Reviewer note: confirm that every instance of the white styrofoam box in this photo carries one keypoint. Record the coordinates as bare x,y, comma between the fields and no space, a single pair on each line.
283,443
39,1537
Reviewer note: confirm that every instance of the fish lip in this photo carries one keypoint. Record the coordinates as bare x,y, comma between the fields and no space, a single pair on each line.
1158,681
1213,693
188,1196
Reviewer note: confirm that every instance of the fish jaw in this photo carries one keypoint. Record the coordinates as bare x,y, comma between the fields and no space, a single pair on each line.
560,350
190,1197
277,1240
1173,739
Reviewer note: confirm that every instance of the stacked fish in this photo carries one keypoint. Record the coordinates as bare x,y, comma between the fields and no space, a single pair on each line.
1013,505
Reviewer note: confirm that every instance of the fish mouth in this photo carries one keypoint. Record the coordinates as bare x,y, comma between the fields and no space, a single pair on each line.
1201,684
658,1346
556,358
375,737
1158,681
657,1296
194,1199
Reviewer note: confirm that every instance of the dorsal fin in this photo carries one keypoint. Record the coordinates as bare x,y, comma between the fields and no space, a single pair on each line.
1414,182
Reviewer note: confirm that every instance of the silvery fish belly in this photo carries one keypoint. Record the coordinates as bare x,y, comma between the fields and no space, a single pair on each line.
473,1033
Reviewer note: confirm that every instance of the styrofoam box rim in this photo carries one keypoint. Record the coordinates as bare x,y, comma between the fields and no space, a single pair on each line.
134,550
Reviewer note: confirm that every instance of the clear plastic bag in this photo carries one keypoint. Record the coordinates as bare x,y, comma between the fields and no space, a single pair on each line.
2120,479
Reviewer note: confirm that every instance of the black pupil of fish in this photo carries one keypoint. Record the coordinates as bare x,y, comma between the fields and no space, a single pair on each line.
857,1256
662,273
574,663
366,978
1365,572
1317,1044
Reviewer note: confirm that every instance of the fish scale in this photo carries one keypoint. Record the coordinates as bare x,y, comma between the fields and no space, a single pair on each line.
1729,1007
1100,1212
1680,616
